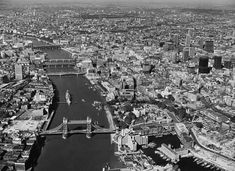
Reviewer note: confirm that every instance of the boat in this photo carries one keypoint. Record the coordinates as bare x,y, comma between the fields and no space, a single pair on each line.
68,97
203,164
151,145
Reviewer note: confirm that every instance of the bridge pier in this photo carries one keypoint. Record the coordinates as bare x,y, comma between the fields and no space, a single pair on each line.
65,128
88,129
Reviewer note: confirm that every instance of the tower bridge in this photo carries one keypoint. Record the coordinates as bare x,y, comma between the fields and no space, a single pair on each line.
64,130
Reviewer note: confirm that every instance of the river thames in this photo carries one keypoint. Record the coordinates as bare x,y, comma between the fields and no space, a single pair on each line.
76,152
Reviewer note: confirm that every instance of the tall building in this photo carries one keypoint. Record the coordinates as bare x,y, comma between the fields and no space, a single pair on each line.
187,40
18,72
3,38
128,86
227,63
190,32
201,42
185,54
176,39
203,65
209,46
192,52
217,62
233,61
234,33
233,74
146,67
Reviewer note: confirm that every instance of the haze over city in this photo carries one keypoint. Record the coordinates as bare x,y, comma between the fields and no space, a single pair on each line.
145,3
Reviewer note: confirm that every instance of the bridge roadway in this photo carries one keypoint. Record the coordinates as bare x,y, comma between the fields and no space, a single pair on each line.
61,62
48,46
81,131
65,73
63,129
78,122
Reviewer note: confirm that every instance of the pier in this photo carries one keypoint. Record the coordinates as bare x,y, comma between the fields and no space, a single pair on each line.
87,127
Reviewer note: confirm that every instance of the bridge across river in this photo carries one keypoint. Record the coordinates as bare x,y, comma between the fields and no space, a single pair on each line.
54,63
46,47
89,128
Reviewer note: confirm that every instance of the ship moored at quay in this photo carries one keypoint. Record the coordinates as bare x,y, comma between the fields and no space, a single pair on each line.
68,97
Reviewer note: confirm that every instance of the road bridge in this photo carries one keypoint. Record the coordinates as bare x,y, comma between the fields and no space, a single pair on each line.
54,63
47,46
84,127
65,73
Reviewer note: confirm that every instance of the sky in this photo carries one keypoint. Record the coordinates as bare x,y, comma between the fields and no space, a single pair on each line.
183,3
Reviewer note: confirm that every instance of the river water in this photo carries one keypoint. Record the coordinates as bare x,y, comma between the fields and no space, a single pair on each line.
77,153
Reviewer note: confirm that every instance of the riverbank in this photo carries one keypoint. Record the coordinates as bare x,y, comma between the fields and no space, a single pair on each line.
109,117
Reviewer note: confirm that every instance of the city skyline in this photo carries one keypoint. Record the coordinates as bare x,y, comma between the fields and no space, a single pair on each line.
146,3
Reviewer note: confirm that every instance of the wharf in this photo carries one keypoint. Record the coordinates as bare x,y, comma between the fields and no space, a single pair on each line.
168,153
109,117
48,122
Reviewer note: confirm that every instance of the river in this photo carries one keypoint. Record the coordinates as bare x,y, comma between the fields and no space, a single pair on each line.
77,153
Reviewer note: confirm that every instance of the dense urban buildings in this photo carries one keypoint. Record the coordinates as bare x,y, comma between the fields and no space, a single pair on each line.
160,72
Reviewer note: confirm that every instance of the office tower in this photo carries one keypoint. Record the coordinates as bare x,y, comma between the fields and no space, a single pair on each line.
2,54
185,54
187,40
3,38
201,42
203,65
18,72
217,62
233,61
176,39
146,67
209,46
227,63
1,78
190,32
128,86
191,52
233,74
174,57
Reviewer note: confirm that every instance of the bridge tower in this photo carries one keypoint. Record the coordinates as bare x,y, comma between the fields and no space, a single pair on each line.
88,128
65,128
